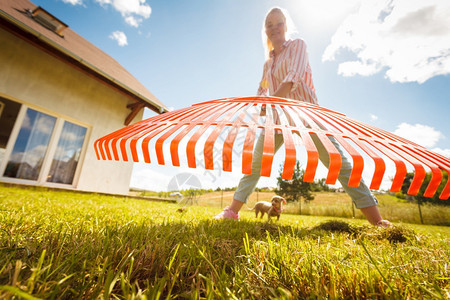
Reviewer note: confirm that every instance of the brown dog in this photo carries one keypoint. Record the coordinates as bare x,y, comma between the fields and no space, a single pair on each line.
272,209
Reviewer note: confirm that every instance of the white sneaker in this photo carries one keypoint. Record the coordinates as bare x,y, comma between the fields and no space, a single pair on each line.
227,213
384,224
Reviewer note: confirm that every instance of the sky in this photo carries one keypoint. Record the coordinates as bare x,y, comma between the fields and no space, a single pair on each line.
385,63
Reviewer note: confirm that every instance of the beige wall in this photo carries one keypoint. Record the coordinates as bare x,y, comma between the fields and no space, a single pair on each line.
33,77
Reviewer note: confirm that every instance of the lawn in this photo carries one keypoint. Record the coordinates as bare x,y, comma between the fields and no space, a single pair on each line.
65,245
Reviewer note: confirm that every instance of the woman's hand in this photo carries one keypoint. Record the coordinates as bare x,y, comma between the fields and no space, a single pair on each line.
263,111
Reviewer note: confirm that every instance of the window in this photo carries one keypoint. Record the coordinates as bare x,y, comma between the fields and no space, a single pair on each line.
45,149
47,20
67,154
8,115
26,159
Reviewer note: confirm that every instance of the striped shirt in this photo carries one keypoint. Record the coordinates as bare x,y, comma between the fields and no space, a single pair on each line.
290,65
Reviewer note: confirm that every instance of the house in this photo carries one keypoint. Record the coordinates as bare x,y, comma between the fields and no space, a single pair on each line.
176,195
58,94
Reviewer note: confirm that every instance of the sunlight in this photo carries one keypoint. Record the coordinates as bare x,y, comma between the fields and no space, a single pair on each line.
321,15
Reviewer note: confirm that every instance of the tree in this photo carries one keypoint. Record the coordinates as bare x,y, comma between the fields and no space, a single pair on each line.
320,186
295,189
420,198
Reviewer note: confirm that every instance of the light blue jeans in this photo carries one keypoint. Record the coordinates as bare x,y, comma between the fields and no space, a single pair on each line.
361,195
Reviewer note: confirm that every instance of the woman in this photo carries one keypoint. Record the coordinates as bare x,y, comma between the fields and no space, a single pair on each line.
287,74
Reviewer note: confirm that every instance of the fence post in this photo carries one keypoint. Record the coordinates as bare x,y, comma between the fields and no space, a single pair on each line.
221,200
353,209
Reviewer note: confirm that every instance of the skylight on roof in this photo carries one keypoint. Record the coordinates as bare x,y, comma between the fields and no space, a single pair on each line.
47,20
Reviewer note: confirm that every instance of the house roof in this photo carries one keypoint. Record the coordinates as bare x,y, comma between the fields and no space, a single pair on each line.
15,16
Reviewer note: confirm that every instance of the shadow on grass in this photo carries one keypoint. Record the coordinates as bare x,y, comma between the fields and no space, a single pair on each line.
232,230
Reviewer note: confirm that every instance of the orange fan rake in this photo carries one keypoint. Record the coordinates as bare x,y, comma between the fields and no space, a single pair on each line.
294,120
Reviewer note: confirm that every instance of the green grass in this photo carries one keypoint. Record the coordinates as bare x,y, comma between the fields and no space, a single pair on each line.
64,245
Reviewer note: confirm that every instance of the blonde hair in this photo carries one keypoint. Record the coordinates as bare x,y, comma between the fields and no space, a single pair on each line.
290,28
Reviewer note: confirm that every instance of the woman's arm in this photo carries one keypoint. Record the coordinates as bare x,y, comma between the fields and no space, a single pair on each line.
297,62
283,89
263,84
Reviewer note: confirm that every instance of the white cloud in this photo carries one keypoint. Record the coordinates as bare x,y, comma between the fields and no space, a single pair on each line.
132,21
73,2
103,2
444,152
420,134
72,137
67,153
129,9
411,39
45,125
41,125
120,37
373,117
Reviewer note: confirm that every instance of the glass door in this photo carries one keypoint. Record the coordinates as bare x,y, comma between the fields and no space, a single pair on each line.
30,148
67,155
